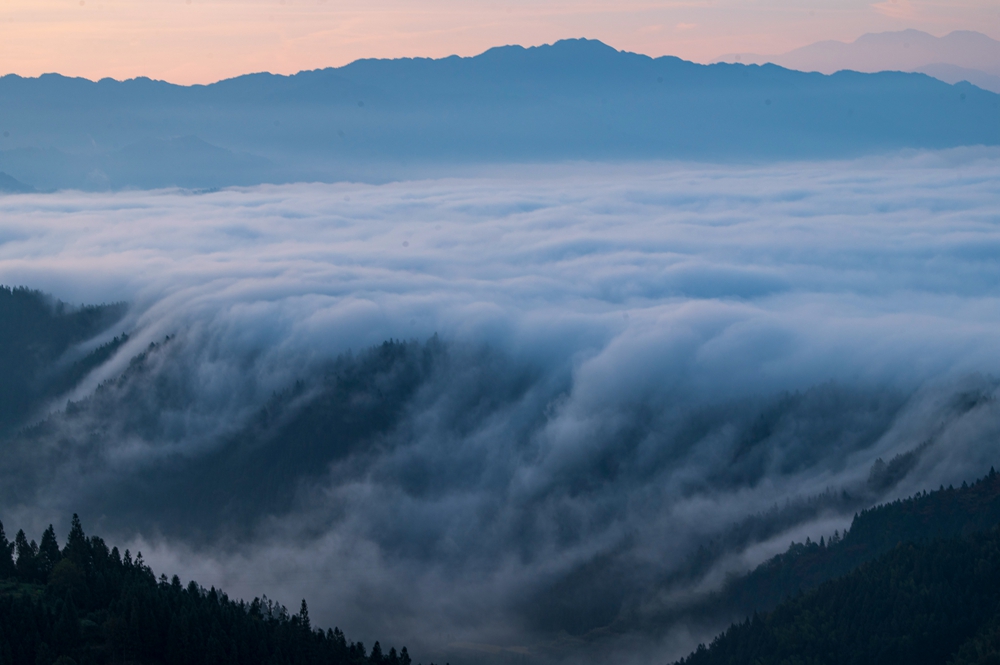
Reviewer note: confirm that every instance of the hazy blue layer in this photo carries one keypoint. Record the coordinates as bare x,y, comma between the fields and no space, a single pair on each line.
377,120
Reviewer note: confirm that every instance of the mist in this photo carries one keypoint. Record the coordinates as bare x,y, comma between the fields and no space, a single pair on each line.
608,386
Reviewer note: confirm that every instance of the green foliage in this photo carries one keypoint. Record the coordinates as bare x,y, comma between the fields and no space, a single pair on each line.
89,605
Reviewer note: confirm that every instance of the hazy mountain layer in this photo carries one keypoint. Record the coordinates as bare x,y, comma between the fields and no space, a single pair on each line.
376,120
958,56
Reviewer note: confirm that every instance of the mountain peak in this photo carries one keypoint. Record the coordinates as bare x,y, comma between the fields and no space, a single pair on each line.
11,185
564,49
959,55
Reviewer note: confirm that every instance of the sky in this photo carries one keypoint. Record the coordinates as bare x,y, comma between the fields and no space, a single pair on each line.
201,41
596,316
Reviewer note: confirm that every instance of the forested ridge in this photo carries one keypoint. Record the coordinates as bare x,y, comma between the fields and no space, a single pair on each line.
927,589
87,604
38,331
946,513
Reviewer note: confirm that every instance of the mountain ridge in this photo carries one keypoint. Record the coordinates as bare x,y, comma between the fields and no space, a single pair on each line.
377,120
927,598
956,56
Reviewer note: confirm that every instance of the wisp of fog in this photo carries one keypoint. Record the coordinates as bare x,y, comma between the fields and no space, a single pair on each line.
606,388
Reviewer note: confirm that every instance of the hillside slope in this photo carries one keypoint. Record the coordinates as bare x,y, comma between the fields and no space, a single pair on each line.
912,581
928,603
88,604
945,513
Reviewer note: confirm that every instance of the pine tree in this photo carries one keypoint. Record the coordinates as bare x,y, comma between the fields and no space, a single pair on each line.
76,543
304,615
27,554
66,632
48,552
6,555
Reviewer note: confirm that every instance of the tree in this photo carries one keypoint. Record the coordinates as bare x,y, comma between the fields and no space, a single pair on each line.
76,543
66,632
109,609
48,552
304,615
27,555
6,555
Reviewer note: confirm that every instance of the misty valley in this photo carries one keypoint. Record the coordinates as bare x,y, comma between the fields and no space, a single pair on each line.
546,356
604,483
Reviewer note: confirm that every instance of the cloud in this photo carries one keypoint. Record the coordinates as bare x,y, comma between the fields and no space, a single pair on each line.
635,363
895,9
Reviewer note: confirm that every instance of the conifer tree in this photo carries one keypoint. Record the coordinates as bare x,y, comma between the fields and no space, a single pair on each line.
110,609
66,632
48,552
76,543
6,555
376,657
27,554
304,615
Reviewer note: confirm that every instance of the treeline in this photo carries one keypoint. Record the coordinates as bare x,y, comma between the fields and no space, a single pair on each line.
36,330
87,604
927,589
919,604
946,513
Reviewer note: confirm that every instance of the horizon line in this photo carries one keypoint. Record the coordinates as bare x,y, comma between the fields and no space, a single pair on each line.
715,61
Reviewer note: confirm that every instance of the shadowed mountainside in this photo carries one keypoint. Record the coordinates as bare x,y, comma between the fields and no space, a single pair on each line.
38,358
929,598
85,603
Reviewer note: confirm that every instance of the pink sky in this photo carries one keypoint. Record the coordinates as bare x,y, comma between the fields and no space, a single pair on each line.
199,41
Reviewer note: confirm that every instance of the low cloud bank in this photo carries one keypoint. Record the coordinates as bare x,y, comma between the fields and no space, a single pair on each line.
644,377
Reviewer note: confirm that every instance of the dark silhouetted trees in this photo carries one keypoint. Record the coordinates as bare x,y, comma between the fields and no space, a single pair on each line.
88,604
927,590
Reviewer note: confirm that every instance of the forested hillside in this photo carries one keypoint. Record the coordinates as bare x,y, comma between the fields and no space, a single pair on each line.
927,589
87,604
946,513
37,331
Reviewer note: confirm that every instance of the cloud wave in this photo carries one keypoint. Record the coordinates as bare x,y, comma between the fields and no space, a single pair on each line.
645,376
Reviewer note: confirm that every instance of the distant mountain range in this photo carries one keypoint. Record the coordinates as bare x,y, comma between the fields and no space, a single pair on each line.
9,185
382,119
958,56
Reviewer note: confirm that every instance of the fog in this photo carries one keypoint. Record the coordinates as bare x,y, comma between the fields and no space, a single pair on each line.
618,384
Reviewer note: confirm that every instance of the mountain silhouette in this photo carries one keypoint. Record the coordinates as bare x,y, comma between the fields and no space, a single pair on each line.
382,119
9,185
962,55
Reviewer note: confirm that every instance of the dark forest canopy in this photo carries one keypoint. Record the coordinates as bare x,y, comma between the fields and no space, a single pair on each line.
932,595
37,332
946,513
87,604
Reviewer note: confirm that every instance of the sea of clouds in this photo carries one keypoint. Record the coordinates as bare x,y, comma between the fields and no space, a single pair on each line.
659,311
